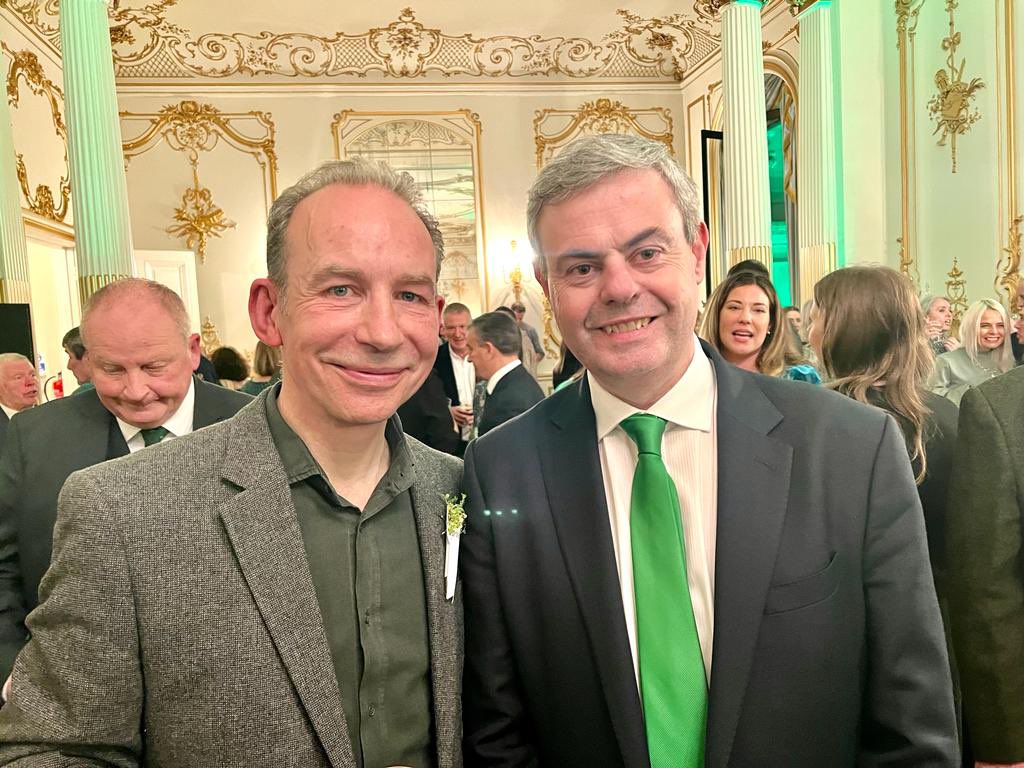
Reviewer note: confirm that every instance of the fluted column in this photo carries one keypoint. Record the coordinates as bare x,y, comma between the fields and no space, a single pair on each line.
13,249
748,228
816,149
99,191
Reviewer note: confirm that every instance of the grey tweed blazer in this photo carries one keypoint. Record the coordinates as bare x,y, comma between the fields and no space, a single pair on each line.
179,626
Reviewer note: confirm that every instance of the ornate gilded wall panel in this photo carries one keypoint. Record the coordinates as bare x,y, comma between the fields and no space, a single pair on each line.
554,128
49,202
192,128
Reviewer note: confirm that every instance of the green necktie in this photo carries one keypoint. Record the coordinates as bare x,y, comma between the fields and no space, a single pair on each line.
154,435
673,685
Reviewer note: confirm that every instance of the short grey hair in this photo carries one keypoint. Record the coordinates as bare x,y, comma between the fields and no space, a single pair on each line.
10,357
500,330
136,287
590,160
928,300
354,173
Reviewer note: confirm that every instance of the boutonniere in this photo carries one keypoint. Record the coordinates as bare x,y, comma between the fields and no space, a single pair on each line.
455,524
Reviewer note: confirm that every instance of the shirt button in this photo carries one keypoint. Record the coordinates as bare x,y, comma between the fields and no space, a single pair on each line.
372,710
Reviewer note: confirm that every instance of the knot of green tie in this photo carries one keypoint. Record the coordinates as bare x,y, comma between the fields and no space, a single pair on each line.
645,430
154,435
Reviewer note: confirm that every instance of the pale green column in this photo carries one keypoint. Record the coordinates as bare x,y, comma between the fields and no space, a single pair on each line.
13,250
99,191
816,148
748,218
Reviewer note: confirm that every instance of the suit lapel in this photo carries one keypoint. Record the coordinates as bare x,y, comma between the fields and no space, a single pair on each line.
97,436
442,617
575,490
753,491
206,410
264,533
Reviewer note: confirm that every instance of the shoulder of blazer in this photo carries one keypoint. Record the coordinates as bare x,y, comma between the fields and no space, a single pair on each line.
1004,393
215,403
428,463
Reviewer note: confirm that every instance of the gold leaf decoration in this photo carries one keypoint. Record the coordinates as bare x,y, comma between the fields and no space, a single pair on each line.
956,294
199,219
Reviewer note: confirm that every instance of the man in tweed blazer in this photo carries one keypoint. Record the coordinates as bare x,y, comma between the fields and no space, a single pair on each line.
270,591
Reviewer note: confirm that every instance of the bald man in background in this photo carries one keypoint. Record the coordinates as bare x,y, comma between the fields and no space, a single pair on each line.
19,388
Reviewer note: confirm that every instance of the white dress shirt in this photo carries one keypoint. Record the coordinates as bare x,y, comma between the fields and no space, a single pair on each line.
689,451
465,381
179,424
9,411
499,374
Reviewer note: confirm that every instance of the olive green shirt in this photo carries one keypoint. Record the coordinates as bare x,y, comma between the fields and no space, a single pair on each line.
368,578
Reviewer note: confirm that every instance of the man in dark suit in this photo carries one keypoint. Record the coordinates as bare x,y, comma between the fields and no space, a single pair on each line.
985,541
455,371
141,354
426,417
494,343
692,565
19,388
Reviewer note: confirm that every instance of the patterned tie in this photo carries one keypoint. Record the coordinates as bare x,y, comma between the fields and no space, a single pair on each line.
479,398
673,684
154,435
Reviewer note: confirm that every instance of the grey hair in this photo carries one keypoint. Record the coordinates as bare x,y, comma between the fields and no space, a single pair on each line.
136,287
10,357
354,173
970,324
590,160
500,330
928,299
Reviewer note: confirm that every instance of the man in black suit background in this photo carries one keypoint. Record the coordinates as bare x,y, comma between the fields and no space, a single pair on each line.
141,354
692,565
455,371
19,388
494,344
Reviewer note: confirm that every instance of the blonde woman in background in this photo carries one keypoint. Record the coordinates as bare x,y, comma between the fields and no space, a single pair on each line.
986,352
742,320
938,320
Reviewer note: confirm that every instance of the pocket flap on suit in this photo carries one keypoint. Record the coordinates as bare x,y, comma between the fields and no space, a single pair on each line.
804,591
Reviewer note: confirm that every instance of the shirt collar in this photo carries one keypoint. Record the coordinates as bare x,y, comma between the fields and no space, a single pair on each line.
9,411
180,422
688,404
499,374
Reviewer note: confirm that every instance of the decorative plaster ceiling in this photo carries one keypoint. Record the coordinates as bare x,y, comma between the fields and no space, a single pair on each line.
439,40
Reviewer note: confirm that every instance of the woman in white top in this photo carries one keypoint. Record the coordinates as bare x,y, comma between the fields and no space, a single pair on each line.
985,353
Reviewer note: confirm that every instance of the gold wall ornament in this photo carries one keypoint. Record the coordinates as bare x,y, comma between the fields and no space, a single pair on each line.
907,17
1008,265
552,341
956,294
26,68
209,339
199,218
194,128
952,106
643,48
40,17
456,286
595,117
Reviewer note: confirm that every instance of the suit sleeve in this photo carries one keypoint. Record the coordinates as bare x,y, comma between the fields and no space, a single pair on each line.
496,734
986,582
12,596
942,378
77,687
909,719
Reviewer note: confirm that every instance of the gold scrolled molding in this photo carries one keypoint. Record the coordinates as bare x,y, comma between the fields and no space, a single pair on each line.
907,14
199,218
209,339
1008,276
1008,262
13,291
952,105
759,253
89,284
956,294
600,116
192,128
25,67
146,45
552,341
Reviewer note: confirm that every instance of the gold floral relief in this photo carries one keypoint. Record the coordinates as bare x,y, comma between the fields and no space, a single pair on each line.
209,339
146,45
956,294
554,128
26,68
952,107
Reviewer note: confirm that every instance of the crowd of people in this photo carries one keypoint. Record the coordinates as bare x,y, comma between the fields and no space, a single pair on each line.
735,534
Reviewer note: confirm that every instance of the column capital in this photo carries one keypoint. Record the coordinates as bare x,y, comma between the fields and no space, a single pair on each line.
714,7
797,7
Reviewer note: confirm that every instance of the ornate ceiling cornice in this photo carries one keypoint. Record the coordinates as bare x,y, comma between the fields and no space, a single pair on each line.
147,45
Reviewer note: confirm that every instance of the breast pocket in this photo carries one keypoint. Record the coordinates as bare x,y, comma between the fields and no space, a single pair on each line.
805,591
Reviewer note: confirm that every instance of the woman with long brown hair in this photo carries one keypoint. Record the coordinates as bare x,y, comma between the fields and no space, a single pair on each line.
869,332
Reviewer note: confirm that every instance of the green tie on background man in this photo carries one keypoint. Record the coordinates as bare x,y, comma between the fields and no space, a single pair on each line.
673,684
153,436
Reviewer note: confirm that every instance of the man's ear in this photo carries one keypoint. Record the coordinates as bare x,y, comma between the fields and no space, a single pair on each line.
264,309
194,350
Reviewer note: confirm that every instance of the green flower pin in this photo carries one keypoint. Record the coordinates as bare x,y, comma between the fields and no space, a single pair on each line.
455,514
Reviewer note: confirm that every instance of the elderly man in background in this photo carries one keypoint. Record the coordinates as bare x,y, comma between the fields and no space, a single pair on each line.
271,591
19,388
141,354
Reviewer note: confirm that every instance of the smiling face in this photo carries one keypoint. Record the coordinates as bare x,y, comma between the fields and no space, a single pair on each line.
358,329
622,281
456,331
940,314
991,330
743,325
